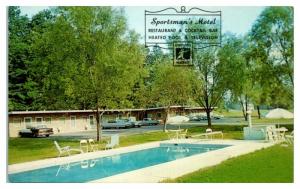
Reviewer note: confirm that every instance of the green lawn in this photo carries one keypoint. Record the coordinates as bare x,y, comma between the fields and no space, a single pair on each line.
254,115
271,165
30,149
272,121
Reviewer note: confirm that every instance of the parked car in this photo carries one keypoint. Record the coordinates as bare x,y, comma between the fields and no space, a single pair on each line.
198,118
217,116
148,121
37,131
120,123
203,117
134,122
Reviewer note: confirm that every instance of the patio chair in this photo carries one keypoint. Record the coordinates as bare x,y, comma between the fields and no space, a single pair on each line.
208,130
208,133
211,133
270,135
114,141
171,135
65,150
290,138
273,135
93,145
183,134
84,145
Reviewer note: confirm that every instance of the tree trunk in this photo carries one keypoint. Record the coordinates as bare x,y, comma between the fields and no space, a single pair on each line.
258,112
246,102
166,118
98,123
208,118
243,110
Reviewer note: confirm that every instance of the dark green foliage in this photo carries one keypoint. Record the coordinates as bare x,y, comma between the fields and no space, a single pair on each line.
18,39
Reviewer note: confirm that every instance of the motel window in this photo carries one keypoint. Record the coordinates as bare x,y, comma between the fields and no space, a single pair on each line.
28,122
17,122
48,120
38,120
73,121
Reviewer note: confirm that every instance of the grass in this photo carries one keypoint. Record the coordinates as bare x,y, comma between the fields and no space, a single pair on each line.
30,149
271,165
254,115
255,120
142,138
239,113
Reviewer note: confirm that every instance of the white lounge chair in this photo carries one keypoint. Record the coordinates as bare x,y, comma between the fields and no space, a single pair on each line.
65,150
84,145
270,134
209,133
93,145
276,134
171,135
290,138
183,134
114,141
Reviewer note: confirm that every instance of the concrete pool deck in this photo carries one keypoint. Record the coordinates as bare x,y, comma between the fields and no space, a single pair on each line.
156,173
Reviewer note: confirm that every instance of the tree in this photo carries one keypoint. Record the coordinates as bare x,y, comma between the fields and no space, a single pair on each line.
240,84
172,85
100,60
210,93
272,34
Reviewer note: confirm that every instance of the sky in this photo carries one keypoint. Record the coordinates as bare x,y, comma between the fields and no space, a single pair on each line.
237,20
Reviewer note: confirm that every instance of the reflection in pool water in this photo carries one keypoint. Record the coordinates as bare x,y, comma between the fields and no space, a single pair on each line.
84,164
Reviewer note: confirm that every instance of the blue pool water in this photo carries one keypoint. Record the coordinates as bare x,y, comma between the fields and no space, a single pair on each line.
93,169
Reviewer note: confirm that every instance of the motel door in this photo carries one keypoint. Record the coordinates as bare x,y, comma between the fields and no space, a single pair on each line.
73,121
92,122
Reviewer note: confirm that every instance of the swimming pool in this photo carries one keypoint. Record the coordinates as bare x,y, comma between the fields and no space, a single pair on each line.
93,169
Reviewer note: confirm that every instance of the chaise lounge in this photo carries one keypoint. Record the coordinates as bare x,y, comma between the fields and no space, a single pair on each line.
208,133
65,150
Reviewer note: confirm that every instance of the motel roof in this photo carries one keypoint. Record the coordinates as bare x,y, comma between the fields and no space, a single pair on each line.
70,111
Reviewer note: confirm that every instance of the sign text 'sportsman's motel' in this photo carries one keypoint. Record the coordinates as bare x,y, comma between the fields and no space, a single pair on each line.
182,30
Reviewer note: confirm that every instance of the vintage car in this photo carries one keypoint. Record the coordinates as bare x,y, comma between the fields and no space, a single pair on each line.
37,131
148,121
119,123
134,122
